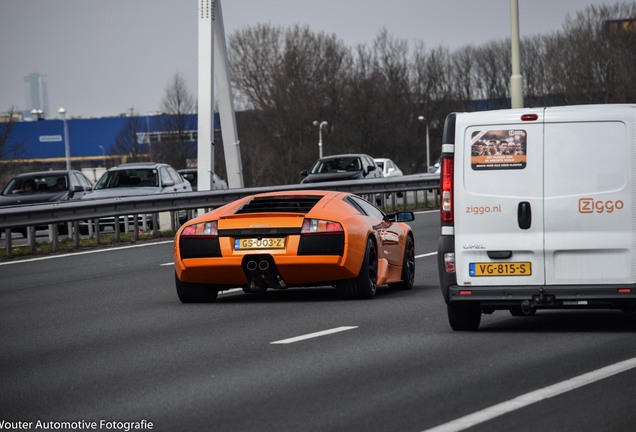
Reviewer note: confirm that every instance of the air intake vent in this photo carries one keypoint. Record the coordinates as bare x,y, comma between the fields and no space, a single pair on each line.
283,204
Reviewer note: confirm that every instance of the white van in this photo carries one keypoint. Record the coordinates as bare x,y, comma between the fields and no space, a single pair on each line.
538,211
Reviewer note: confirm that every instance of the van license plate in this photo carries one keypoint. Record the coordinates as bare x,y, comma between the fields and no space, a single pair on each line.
260,243
500,269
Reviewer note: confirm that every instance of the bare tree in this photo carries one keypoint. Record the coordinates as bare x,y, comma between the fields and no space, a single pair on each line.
372,95
127,141
175,144
292,77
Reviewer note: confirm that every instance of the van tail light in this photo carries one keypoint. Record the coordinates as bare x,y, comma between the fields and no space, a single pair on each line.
448,165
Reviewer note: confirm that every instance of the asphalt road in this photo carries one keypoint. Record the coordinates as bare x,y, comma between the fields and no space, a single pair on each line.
102,336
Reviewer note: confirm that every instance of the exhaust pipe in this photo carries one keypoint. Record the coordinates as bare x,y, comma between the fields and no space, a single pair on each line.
263,265
251,265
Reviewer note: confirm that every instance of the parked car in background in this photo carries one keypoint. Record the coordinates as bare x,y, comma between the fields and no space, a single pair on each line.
136,179
388,167
342,167
45,187
191,175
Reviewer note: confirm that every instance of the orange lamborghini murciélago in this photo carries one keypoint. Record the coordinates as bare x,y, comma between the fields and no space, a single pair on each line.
299,238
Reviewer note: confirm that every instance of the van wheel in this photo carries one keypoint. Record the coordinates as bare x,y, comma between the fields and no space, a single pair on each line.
408,267
463,317
195,293
364,285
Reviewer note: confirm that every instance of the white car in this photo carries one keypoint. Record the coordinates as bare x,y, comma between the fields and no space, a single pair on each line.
388,167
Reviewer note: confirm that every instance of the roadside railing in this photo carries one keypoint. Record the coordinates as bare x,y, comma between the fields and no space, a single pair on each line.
417,191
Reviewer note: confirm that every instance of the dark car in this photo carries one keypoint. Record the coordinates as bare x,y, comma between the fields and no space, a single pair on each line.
45,187
342,167
135,179
191,175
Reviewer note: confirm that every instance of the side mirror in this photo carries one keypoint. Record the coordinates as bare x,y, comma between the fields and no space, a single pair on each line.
371,168
168,183
401,217
304,173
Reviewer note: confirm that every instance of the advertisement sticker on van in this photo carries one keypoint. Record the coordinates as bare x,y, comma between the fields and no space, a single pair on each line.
499,149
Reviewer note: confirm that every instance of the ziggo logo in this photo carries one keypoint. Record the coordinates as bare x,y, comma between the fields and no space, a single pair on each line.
588,205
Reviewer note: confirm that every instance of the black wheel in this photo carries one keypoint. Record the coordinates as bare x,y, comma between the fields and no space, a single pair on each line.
364,285
408,267
195,293
518,311
463,317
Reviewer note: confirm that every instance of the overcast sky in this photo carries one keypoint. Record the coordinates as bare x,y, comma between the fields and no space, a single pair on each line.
105,57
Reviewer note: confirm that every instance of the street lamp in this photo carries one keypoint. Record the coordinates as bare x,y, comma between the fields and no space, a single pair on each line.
428,144
67,146
320,126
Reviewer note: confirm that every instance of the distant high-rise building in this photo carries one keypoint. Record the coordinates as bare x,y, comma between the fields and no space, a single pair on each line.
38,92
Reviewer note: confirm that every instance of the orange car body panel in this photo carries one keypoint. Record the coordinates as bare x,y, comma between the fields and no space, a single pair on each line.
293,268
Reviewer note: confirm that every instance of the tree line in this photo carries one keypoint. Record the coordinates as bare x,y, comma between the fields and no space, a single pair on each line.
373,95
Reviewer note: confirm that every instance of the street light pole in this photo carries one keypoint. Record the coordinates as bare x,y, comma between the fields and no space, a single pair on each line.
428,144
516,82
320,126
67,146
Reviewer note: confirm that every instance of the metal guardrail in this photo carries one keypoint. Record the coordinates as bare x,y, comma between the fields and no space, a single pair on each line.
385,190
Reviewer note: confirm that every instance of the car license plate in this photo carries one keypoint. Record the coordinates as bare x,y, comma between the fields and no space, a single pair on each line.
500,269
260,243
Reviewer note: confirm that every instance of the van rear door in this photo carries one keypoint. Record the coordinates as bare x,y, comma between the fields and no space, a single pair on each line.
498,182
588,187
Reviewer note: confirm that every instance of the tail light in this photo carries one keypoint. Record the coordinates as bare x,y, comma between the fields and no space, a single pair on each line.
205,229
448,165
319,226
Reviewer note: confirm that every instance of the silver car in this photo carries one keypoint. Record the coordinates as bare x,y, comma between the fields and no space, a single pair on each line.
136,179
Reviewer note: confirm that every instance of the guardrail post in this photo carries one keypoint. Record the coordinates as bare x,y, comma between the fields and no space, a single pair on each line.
155,225
136,226
8,239
31,238
53,237
76,234
98,239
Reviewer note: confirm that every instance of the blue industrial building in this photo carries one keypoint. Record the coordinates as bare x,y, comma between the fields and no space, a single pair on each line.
92,141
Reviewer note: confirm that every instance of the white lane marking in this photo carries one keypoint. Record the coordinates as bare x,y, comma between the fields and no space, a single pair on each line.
166,264
110,249
314,335
533,397
426,255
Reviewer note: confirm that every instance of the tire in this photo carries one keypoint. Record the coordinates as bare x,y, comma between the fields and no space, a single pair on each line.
463,317
195,293
408,267
364,285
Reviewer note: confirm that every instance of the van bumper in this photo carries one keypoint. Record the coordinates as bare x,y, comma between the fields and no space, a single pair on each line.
546,297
